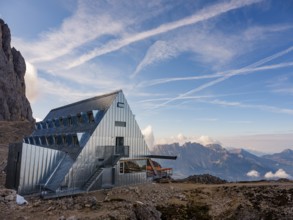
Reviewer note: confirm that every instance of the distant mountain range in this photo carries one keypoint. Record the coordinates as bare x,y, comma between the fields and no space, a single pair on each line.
231,165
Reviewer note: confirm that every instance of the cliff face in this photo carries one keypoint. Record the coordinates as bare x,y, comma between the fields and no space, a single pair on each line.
14,106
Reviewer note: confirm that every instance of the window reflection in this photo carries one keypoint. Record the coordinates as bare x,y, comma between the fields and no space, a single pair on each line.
132,166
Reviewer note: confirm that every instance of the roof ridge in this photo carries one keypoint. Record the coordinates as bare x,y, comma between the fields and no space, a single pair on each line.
86,100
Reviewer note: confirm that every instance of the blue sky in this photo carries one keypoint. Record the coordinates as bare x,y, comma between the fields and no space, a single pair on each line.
206,71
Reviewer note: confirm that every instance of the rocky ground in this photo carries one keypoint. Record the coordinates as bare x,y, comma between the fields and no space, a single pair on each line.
161,201
188,199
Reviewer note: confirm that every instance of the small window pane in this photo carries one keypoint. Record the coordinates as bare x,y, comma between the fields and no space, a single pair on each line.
120,123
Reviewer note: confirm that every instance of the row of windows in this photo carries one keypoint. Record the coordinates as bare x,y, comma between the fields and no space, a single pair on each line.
71,120
62,140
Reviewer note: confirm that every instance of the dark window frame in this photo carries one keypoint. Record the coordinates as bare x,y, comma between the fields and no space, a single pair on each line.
120,124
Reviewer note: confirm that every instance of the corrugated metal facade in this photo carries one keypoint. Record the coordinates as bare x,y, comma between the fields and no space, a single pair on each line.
41,166
37,164
105,135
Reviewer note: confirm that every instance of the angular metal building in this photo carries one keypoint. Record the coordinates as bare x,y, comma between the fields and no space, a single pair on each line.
88,145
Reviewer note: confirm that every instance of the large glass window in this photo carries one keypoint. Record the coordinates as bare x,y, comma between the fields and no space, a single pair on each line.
132,166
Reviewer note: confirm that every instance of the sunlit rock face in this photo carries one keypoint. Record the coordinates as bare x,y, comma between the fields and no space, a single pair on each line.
14,106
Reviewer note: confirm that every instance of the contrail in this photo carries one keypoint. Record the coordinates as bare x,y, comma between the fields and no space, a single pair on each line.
229,75
215,75
202,15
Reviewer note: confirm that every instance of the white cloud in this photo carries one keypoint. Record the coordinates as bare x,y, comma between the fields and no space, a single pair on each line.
31,82
205,140
160,50
149,136
280,173
182,139
202,15
253,173
38,119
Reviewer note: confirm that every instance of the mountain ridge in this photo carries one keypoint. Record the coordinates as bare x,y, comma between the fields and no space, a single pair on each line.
235,165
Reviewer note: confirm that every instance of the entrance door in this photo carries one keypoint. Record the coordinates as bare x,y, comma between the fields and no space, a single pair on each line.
108,177
119,141
119,145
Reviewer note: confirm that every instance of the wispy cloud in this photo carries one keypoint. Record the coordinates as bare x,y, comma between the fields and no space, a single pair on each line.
241,71
63,92
261,32
160,50
206,119
202,15
282,84
265,142
205,45
75,31
259,107
227,76
212,47
240,122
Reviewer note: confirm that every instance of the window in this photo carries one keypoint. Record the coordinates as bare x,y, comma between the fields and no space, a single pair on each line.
56,122
79,118
120,123
85,118
37,141
132,166
69,120
68,139
61,121
120,104
91,117
122,167
43,140
50,140
74,140
44,125
38,126
63,139
74,121
31,140
51,124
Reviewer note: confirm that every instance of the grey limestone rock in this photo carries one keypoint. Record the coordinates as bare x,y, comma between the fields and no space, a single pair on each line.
14,106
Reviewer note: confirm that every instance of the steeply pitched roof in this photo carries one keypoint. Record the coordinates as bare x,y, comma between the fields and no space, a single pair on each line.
71,125
102,102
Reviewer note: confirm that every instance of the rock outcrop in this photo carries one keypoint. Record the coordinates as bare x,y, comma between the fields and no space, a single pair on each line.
14,106
202,179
